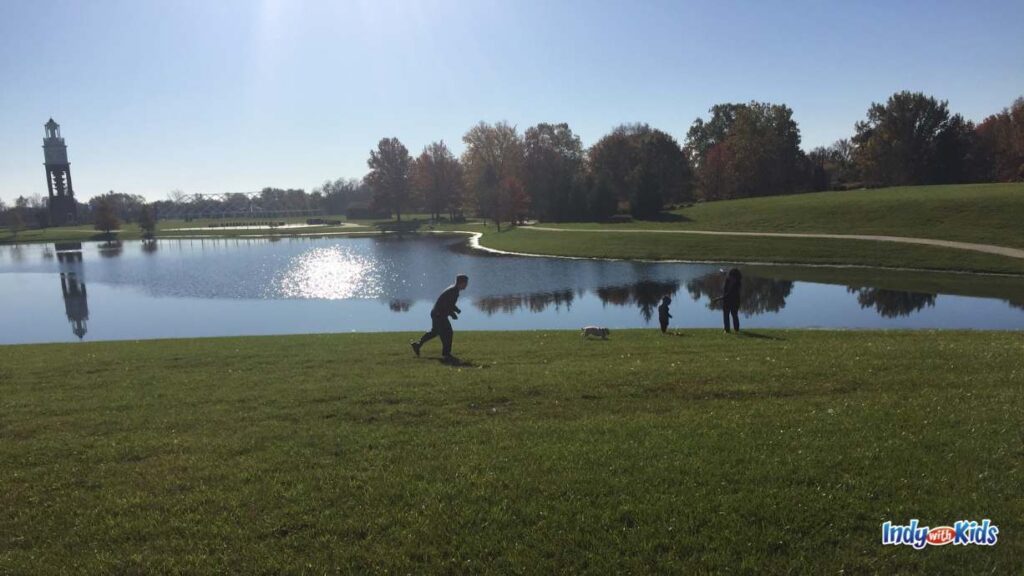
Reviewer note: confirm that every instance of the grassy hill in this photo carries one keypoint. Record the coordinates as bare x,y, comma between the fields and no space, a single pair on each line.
982,213
774,452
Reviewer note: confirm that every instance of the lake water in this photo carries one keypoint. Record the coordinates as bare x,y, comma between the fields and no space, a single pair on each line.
221,287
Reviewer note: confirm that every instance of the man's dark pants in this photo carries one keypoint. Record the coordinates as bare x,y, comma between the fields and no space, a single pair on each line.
733,310
440,326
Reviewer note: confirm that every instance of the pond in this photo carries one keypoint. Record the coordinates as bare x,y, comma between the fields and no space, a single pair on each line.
225,287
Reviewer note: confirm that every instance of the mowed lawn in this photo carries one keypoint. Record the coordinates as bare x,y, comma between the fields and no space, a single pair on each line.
699,247
775,452
980,213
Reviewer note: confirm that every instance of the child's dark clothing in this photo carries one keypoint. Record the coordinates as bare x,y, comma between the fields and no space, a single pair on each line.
663,316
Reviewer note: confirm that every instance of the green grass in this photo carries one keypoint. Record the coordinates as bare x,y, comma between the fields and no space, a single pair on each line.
600,244
982,213
543,454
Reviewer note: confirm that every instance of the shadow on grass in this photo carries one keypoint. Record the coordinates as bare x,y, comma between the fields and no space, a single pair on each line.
748,334
403,226
670,217
456,362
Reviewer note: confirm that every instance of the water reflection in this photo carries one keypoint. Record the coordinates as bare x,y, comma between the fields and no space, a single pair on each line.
758,295
537,302
892,303
111,249
333,273
72,287
646,294
398,305
207,287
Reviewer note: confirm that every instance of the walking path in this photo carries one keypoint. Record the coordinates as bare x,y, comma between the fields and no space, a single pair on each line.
986,248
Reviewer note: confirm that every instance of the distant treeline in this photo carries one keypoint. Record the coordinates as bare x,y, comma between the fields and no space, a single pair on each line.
739,150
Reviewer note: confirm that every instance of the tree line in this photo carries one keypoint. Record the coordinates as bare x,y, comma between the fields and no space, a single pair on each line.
739,150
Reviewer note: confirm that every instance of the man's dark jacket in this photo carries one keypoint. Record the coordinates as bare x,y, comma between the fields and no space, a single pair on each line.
445,305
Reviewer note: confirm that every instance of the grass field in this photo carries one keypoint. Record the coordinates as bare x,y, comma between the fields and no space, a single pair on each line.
981,213
778,452
600,244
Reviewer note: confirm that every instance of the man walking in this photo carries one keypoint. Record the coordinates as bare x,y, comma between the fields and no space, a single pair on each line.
440,325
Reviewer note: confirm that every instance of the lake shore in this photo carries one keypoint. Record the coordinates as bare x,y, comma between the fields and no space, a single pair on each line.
979,214
699,451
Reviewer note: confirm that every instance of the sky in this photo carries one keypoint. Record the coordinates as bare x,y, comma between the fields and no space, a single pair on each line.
233,96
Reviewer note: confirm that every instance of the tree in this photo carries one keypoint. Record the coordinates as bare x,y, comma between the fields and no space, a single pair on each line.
748,150
1000,145
493,154
15,221
124,206
552,171
912,139
614,159
105,217
513,199
437,179
147,221
645,166
389,175
832,167
662,175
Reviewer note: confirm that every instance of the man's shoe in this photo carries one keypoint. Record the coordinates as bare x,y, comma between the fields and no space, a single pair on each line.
415,348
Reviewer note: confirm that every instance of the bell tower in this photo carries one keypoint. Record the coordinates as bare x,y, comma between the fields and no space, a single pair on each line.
63,207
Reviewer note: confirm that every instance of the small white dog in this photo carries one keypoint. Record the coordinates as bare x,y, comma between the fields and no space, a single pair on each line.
588,331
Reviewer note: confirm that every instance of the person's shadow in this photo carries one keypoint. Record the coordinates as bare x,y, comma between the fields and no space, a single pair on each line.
748,334
456,362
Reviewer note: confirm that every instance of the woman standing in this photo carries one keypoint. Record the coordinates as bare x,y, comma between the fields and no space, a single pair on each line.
731,299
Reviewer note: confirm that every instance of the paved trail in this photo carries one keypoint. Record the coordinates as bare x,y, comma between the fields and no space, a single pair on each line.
986,248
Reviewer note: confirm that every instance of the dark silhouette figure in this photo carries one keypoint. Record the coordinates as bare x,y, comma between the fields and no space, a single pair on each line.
757,296
663,314
731,299
444,309
644,294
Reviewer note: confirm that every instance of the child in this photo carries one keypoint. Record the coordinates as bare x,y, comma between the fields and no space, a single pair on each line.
663,314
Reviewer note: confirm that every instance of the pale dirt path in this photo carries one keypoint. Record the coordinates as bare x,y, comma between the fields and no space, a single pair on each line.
986,248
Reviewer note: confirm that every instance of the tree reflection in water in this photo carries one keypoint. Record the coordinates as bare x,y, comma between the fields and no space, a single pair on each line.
399,305
757,295
646,294
536,302
891,303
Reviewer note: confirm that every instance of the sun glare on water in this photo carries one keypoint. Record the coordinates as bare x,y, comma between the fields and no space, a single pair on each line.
329,273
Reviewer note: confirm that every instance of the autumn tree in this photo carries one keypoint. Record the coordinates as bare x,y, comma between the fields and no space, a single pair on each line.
553,171
389,167
493,154
912,139
1000,145
437,179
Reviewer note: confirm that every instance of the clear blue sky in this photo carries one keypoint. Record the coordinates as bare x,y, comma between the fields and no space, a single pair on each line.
225,95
